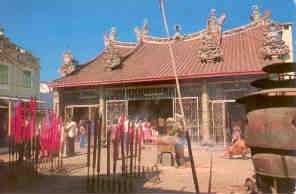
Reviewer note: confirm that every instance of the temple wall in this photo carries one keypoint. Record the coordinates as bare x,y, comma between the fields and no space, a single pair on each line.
213,100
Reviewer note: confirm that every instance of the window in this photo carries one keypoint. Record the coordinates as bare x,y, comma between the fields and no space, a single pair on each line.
3,75
27,79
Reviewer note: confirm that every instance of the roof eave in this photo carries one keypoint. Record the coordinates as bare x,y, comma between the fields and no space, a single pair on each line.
153,79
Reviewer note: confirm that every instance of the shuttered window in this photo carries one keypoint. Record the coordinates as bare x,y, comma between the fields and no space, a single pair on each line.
3,75
27,79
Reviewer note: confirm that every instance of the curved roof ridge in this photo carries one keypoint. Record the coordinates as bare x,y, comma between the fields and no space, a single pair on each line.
133,50
80,66
115,43
154,39
243,28
124,44
165,40
194,35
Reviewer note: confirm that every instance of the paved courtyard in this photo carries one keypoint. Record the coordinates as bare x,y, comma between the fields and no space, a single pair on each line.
228,174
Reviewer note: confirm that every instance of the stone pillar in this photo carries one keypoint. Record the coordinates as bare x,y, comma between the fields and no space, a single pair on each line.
58,103
205,114
102,110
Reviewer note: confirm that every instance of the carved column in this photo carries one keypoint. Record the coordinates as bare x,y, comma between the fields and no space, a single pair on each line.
205,114
102,109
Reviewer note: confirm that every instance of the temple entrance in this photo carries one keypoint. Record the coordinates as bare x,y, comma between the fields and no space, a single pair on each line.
80,112
218,121
3,126
236,116
114,109
225,114
191,114
151,110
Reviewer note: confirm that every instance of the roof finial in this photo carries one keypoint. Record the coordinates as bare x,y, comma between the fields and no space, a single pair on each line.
177,28
256,15
212,21
144,31
214,24
67,57
145,27
213,13
177,31
109,38
113,34
69,63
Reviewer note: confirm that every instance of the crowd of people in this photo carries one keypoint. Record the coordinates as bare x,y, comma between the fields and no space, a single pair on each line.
74,132
149,130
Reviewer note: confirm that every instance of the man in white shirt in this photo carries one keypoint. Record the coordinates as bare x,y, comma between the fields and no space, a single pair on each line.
71,128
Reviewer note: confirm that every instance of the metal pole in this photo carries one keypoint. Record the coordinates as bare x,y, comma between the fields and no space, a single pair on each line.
172,56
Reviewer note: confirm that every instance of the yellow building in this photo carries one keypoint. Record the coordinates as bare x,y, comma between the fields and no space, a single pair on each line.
19,78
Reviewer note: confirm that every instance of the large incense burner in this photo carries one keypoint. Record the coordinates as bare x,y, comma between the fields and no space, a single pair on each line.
271,132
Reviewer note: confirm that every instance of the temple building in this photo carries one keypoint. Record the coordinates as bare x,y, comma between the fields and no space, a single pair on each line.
19,79
136,78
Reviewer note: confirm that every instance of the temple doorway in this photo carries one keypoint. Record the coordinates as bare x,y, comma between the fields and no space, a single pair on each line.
81,112
150,109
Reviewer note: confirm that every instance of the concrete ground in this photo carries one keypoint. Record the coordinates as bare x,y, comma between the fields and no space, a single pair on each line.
228,174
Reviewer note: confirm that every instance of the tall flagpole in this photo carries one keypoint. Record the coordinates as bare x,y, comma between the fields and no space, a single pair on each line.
173,60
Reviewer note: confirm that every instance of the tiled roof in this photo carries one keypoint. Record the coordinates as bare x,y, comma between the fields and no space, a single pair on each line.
149,60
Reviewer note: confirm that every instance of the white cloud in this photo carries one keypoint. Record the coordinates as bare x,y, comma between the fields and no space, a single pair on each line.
294,1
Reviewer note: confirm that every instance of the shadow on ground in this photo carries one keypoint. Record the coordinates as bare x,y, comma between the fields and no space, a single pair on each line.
22,180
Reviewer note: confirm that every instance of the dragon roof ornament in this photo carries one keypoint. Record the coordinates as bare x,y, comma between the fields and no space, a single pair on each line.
69,64
274,46
256,14
111,57
210,49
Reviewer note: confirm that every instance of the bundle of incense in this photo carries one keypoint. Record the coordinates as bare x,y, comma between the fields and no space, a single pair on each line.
100,128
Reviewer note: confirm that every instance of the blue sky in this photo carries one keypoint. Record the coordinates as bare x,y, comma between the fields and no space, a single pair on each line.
48,27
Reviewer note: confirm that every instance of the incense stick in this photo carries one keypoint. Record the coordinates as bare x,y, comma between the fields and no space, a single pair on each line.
99,145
